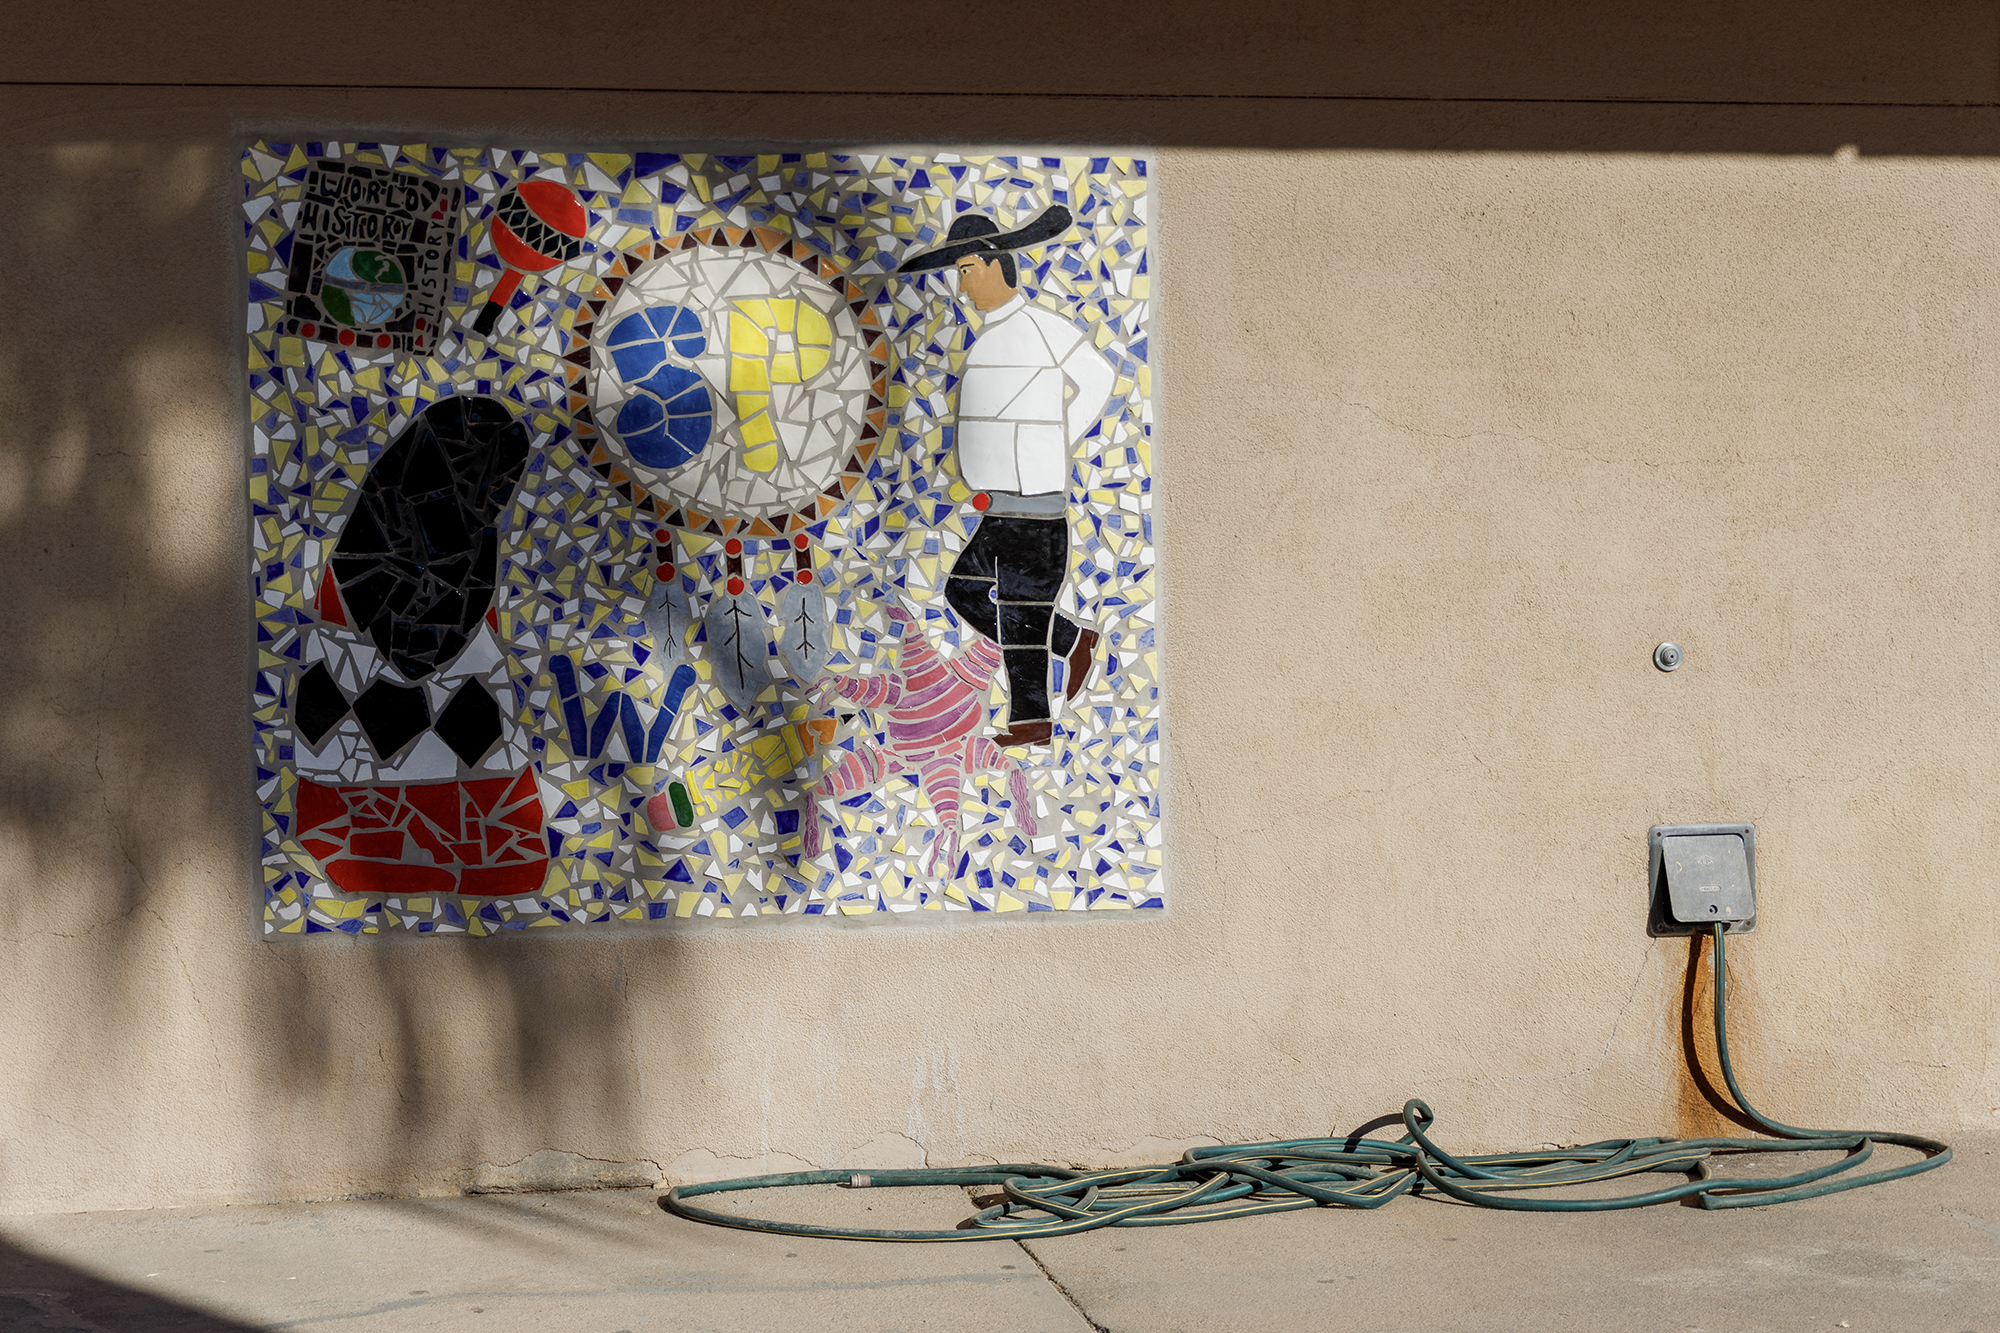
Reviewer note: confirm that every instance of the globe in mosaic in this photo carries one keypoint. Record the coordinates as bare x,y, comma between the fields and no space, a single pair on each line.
732,382
363,287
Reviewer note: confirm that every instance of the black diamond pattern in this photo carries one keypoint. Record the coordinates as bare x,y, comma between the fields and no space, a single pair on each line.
392,715
470,723
319,705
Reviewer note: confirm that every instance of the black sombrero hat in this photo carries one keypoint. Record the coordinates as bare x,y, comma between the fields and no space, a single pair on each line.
977,234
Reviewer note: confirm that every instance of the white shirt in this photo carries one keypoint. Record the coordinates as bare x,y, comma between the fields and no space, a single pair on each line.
1033,385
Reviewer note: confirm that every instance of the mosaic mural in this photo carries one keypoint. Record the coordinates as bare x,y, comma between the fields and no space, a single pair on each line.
667,536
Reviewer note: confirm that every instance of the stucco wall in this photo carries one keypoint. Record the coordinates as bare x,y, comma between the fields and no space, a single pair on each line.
1464,406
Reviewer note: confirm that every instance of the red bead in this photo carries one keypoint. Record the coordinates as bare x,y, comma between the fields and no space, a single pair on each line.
805,576
981,500
802,541
735,587
662,535
381,340
309,330
733,546
347,337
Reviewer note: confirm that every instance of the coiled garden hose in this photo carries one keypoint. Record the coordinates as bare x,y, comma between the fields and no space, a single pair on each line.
1244,1179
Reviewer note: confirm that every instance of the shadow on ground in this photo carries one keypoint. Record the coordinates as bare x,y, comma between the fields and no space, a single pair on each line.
40,1293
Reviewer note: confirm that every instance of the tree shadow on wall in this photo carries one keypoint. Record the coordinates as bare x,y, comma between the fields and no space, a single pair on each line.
151,1023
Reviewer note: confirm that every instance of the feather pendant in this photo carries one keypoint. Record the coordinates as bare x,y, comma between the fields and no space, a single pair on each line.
739,648
669,618
802,636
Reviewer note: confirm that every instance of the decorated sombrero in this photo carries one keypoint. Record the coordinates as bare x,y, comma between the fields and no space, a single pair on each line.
976,234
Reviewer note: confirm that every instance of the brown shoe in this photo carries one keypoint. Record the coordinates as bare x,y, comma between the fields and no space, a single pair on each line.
1025,733
1077,664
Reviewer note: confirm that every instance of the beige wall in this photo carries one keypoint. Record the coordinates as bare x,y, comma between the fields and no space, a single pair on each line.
1465,406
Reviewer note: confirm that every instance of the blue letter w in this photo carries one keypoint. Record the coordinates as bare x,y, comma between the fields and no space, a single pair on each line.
588,738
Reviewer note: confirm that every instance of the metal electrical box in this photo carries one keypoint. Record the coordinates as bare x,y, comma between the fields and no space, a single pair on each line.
1702,874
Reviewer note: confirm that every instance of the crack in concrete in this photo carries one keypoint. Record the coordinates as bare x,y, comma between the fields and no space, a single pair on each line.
1603,1053
1201,823
560,1170
1065,1292
117,830
139,904
194,996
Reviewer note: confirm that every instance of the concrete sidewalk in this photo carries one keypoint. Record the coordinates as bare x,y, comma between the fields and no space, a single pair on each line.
1916,1256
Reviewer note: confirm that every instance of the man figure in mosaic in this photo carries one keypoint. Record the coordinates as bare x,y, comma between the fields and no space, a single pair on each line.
1032,387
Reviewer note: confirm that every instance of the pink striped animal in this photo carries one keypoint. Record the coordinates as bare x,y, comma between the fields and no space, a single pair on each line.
934,709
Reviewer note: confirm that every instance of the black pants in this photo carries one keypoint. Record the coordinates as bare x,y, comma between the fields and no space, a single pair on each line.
1005,585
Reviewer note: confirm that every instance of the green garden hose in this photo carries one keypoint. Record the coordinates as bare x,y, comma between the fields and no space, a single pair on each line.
1243,1179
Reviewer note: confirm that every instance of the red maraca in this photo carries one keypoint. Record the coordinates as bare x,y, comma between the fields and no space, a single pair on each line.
536,225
